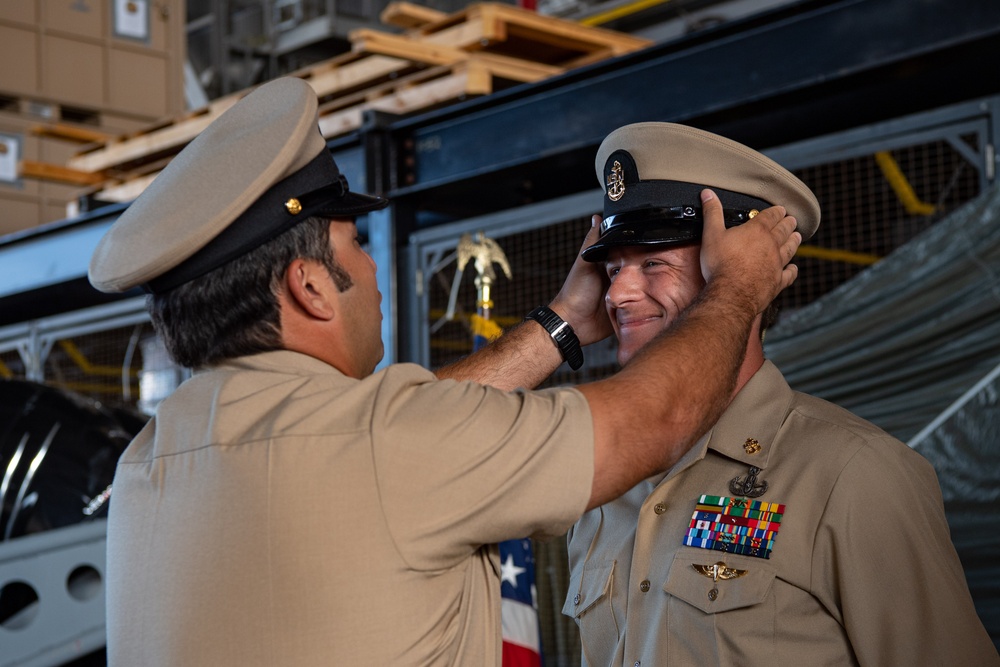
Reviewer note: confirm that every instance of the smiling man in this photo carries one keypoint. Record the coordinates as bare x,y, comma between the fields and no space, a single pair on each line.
793,533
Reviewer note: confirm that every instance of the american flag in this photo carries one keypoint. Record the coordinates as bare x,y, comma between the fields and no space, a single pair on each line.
522,646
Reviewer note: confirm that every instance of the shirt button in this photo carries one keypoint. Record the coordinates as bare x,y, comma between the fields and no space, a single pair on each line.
636,663
659,508
576,599
644,586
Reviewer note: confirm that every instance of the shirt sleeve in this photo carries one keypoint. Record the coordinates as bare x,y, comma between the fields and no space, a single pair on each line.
460,465
884,555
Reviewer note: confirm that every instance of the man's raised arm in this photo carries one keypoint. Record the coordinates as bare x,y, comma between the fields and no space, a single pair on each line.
680,383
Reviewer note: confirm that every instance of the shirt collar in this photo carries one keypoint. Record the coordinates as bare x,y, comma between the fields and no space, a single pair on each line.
747,429
281,361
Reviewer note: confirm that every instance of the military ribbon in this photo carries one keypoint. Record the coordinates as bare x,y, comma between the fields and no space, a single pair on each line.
734,525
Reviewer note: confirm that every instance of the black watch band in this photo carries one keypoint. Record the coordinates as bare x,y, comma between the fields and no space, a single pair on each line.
561,332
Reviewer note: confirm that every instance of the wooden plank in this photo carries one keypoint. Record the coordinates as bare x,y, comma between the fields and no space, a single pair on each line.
383,89
50,172
342,121
515,69
433,93
372,41
171,138
407,98
482,25
356,75
408,15
551,30
73,133
465,34
479,79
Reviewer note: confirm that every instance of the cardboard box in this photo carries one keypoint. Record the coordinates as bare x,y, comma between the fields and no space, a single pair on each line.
138,83
18,212
18,60
84,18
73,71
167,28
23,11
83,58
57,152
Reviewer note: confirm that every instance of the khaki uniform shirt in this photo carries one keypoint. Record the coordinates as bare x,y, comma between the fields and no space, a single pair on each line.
862,569
276,512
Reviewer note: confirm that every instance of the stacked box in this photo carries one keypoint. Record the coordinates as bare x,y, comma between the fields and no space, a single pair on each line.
111,65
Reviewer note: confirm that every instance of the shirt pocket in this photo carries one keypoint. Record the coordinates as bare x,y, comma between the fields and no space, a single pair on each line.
589,603
749,589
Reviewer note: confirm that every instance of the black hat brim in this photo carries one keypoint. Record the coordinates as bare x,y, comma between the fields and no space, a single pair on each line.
647,232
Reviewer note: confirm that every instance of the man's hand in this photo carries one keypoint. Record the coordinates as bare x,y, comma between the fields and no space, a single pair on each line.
753,257
581,299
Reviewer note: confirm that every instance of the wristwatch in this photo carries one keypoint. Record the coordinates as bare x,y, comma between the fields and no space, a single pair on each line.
562,334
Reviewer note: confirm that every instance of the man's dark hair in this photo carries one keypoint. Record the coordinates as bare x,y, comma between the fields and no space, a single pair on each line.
232,311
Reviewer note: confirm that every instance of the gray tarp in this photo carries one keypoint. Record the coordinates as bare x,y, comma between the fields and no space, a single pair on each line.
913,345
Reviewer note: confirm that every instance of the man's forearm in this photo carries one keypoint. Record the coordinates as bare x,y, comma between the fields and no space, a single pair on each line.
520,359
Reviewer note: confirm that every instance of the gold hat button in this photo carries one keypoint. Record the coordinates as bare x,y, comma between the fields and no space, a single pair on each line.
293,206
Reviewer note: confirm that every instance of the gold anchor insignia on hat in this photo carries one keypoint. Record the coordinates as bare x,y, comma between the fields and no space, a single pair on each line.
616,182
293,206
715,572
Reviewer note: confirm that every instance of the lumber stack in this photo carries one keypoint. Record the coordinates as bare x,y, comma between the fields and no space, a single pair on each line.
433,59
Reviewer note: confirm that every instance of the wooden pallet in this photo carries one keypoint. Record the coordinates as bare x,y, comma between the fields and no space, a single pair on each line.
48,111
439,59
513,31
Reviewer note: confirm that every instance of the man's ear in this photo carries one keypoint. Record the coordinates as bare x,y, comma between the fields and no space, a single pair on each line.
309,286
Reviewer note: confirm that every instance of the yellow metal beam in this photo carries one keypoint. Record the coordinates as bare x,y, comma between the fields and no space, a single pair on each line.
621,12
901,186
834,255
74,353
